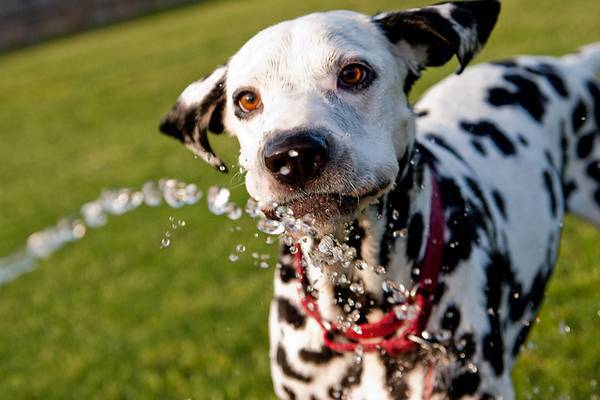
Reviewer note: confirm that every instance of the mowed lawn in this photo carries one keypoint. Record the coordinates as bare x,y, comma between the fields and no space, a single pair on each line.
115,316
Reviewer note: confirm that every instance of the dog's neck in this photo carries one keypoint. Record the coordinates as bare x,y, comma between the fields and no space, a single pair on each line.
392,234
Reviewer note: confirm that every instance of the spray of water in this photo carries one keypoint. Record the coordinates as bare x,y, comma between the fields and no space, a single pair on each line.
43,244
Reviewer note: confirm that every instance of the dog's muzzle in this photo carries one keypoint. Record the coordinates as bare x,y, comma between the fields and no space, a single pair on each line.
296,159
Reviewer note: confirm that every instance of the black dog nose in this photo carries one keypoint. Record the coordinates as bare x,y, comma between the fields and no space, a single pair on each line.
296,159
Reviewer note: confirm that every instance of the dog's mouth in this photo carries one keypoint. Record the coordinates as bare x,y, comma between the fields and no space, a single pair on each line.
327,209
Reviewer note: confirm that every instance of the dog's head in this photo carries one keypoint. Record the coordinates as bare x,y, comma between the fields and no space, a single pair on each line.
319,104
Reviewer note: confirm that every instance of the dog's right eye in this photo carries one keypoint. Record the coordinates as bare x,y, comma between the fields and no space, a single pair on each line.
249,101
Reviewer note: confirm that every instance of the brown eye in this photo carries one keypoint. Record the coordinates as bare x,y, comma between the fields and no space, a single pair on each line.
353,75
249,101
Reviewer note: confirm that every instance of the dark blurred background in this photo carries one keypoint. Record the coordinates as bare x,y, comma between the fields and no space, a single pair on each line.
25,22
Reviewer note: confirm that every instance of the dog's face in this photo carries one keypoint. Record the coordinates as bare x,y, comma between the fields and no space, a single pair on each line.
319,104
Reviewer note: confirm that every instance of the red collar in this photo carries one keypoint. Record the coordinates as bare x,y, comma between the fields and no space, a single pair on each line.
375,336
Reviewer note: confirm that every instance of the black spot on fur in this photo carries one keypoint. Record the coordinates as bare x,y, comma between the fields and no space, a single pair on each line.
441,142
289,313
485,128
287,369
322,356
478,193
520,340
552,76
462,223
439,292
597,196
478,147
585,144
523,140
343,293
394,378
415,236
464,348
526,95
487,396
493,346
499,200
351,378
286,273
506,63
464,384
593,170
579,116
517,302
550,191
397,207
289,392
451,319
493,350
595,93
568,188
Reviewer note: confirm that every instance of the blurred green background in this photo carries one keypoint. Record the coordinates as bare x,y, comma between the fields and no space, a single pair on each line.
117,317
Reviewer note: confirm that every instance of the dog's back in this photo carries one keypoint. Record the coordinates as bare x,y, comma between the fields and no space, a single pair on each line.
519,142
527,123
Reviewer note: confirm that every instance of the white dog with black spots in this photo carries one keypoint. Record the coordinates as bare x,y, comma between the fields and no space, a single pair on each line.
319,106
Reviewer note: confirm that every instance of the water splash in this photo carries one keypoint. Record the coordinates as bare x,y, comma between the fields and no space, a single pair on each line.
94,214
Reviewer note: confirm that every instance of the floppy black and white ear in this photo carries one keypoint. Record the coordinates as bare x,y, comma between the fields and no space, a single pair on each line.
199,109
434,34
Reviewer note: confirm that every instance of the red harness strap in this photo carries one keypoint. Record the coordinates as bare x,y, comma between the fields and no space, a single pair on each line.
366,334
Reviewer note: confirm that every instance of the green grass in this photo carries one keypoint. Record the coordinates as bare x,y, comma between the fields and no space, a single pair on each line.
116,317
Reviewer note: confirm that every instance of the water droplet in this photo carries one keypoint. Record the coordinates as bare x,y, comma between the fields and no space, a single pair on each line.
357,288
406,311
402,233
152,194
234,212
283,212
357,329
395,214
564,328
472,368
380,270
293,250
293,153
93,214
233,257
270,227
285,170
218,200
264,265
240,248
360,265
531,345
165,242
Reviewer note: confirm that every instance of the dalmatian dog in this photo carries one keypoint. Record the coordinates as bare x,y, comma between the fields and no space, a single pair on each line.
502,150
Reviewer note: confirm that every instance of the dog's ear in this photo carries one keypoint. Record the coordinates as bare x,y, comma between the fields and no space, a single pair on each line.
432,35
199,109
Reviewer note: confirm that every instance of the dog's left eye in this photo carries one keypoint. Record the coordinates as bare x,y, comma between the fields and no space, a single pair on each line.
354,76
